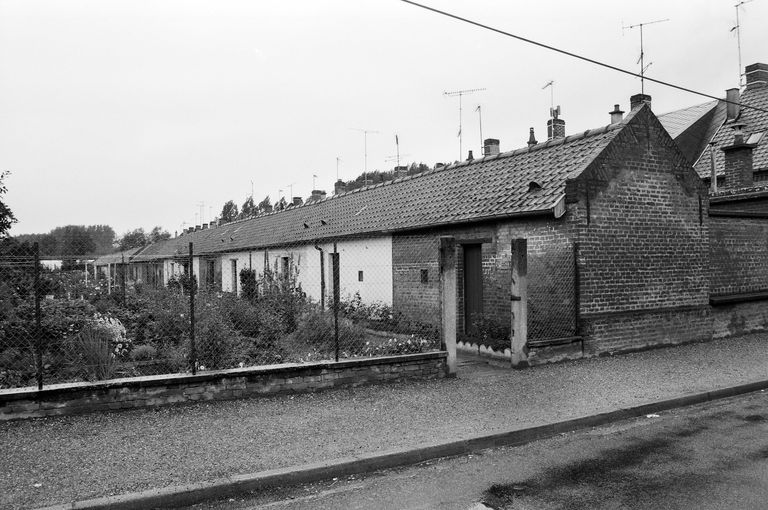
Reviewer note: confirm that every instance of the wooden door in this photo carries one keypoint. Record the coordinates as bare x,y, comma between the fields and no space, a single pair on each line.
473,285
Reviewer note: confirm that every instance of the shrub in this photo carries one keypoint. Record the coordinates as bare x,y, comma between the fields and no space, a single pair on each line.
143,353
215,340
316,330
98,344
491,333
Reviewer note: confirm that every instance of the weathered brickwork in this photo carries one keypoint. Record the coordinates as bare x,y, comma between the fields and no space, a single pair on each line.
739,254
643,234
629,331
142,392
739,319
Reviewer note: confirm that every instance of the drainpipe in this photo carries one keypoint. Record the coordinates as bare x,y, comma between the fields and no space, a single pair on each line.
322,277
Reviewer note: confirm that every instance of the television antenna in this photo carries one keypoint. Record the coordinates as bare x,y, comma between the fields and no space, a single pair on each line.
365,140
479,111
338,160
641,60
396,158
737,28
460,94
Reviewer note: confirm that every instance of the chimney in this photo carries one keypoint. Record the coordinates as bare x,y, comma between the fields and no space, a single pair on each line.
339,187
490,147
757,75
738,160
267,208
317,195
190,230
532,139
400,171
555,128
297,201
616,115
197,227
732,110
639,100
213,224
439,165
204,226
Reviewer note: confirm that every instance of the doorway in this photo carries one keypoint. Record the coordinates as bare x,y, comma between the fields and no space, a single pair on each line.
473,285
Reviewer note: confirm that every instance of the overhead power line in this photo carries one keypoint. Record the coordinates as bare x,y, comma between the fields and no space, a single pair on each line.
581,57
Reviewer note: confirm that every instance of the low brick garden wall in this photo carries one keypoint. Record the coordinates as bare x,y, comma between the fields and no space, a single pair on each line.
153,391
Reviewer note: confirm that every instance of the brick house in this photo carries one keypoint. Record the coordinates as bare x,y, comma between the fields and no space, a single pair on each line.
616,212
737,154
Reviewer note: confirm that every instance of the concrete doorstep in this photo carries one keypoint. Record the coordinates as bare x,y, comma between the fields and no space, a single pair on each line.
189,494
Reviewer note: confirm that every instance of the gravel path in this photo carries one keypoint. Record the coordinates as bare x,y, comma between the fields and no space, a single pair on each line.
57,460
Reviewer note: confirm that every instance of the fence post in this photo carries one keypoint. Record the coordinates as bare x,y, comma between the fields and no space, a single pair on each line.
519,297
336,298
448,300
38,342
192,347
122,278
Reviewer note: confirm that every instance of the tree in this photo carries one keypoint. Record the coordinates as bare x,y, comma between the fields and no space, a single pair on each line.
229,211
103,238
158,234
248,209
264,204
136,238
6,215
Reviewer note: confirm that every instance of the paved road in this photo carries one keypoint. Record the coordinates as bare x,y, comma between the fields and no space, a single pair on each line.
713,456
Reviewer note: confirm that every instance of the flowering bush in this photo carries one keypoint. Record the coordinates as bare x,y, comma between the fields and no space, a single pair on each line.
391,346
98,344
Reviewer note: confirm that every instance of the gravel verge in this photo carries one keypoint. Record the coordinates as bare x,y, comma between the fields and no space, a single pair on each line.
58,460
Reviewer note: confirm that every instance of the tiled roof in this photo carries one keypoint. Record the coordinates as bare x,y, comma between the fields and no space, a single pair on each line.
486,188
693,127
756,122
116,258
678,121
489,187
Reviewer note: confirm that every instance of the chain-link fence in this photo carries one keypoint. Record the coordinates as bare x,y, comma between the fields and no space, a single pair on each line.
128,314
553,293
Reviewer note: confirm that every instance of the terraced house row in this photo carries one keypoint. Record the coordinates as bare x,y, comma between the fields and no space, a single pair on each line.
650,230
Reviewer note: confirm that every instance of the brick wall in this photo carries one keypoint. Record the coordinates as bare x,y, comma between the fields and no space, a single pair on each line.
739,254
643,232
154,391
550,273
739,319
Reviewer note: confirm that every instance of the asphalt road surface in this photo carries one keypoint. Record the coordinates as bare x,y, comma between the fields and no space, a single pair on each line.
713,456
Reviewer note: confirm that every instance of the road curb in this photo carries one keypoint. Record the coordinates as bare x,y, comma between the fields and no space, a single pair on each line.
189,494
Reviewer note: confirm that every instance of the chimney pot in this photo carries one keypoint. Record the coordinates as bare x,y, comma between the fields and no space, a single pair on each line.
731,109
470,157
639,100
531,138
490,147
616,115
757,75
317,194
297,201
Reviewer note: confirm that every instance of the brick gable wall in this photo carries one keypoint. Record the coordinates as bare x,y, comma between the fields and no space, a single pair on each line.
739,254
643,232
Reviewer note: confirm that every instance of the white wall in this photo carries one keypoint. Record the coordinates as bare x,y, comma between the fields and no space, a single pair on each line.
371,256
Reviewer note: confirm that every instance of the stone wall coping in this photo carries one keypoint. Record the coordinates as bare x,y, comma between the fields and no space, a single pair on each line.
740,297
287,369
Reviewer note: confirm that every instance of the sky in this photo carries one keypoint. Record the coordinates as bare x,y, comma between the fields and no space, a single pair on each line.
136,113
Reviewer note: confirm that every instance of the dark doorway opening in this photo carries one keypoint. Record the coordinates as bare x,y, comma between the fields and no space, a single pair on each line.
473,286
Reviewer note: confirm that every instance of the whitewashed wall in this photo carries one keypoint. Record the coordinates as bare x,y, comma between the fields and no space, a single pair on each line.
371,256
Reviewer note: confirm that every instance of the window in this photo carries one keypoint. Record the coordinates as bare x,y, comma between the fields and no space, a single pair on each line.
425,276
234,275
359,276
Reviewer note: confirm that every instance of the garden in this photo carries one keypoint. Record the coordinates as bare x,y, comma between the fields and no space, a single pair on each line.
86,334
